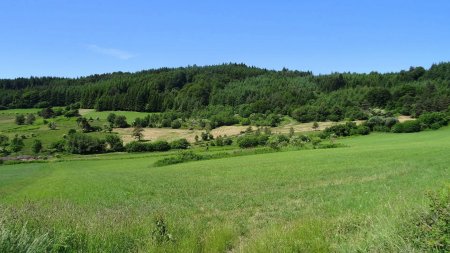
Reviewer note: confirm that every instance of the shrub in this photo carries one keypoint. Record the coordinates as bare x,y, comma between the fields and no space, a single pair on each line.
249,141
20,119
37,146
409,126
278,141
433,120
245,121
180,144
180,158
176,124
58,146
114,142
135,146
161,146
296,141
3,141
30,119
16,144
52,126
80,143
111,118
223,141
166,122
339,130
360,130
432,233
72,113
47,113
121,121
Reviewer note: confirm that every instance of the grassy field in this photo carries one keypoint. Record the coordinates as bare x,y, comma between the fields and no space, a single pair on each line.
352,199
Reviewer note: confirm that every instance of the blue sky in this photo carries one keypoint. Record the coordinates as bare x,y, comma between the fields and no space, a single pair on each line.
77,38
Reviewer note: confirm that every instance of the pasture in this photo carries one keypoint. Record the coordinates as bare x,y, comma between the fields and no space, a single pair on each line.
356,198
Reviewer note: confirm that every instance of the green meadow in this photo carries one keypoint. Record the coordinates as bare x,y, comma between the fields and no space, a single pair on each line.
362,197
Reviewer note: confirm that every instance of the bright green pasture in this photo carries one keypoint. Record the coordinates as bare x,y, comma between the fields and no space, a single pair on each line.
349,199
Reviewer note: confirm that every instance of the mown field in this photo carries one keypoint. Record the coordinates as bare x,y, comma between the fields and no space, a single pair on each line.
358,198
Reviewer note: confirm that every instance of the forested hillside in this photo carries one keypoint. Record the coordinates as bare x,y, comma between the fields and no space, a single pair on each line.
240,89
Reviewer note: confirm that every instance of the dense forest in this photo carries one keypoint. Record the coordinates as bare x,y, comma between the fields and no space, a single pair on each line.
236,90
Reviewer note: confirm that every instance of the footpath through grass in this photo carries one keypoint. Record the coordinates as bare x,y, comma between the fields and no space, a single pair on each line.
350,199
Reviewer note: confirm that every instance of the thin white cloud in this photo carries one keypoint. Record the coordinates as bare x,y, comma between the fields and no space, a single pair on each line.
114,52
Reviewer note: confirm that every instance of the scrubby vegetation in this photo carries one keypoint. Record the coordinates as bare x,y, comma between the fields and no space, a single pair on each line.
230,94
296,197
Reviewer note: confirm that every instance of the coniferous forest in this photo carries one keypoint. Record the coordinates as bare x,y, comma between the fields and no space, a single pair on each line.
222,91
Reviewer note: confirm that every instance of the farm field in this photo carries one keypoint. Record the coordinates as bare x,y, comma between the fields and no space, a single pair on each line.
357,198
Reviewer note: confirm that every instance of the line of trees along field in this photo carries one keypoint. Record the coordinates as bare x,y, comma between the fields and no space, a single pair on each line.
239,89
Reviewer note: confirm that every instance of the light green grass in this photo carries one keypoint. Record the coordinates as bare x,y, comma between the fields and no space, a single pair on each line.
346,200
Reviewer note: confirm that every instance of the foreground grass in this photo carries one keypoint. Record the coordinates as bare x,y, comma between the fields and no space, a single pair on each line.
349,199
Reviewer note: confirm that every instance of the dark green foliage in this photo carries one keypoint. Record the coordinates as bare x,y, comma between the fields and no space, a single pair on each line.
204,136
4,141
278,141
340,130
16,144
360,130
378,97
136,146
180,144
47,113
409,126
114,142
80,143
30,118
52,125
58,146
161,146
71,113
182,157
305,114
20,119
231,93
252,140
84,124
121,121
223,141
434,120
111,118
432,231
175,124
37,146
380,123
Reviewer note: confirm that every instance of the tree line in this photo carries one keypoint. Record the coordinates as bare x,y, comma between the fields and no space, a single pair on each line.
231,93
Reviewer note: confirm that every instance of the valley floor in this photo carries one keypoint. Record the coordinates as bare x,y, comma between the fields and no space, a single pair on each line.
352,199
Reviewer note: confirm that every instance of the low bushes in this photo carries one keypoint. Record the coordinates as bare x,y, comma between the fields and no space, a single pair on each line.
433,120
252,140
180,158
180,144
432,228
79,143
341,130
136,146
410,126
